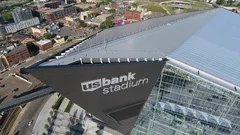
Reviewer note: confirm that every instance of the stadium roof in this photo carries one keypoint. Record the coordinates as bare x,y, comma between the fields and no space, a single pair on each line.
208,41
215,47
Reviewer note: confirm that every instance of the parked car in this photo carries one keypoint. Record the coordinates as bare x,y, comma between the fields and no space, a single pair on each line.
15,90
30,123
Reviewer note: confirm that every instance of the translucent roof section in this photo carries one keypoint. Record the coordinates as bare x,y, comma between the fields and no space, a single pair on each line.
193,113
215,48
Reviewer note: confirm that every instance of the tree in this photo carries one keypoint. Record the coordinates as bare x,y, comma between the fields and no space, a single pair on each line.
7,16
82,24
230,2
95,14
83,1
47,35
220,2
46,126
49,120
107,24
33,50
98,4
112,10
44,133
135,5
51,113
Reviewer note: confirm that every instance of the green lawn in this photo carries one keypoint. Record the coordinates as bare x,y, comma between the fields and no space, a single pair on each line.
69,106
155,8
188,10
170,9
58,103
158,0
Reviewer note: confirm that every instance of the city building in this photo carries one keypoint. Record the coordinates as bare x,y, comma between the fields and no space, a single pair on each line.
14,27
133,15
93,1
52,4
59,40
170,75
61,12
99,19
15,55
96,11
20,14
44,44
84,15
26,40
39,29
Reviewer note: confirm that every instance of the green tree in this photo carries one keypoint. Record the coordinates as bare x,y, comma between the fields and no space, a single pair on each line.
112,10
82,24
51,113
220,2
98,4
135,5
230,2
44,133
7,16
46,126
107,24
33,50
49,119
83,1
47,35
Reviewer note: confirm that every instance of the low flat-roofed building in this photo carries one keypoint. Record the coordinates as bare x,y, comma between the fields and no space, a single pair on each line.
44,44
134,15
26,40
38,29
99,19
59,40
14,56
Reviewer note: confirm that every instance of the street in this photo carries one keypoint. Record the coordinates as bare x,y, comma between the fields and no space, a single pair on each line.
31,113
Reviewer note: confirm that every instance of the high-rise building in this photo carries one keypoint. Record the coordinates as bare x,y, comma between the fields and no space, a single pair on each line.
20,14
165,76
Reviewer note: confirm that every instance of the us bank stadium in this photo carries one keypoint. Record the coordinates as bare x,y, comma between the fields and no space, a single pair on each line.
172,75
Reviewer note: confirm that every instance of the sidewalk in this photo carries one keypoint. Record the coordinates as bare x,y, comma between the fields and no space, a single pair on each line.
18,119
38,128
63,105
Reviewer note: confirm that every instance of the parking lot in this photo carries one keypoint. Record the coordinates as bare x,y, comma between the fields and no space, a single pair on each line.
11,86
70,32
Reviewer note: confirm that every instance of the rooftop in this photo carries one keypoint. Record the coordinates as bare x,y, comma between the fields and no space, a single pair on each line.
203,40
43,42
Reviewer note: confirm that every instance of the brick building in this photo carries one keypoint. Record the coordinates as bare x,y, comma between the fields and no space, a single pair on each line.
61,12
133,15
44,44
16,55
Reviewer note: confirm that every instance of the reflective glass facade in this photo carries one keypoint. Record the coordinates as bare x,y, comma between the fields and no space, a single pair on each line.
182,103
